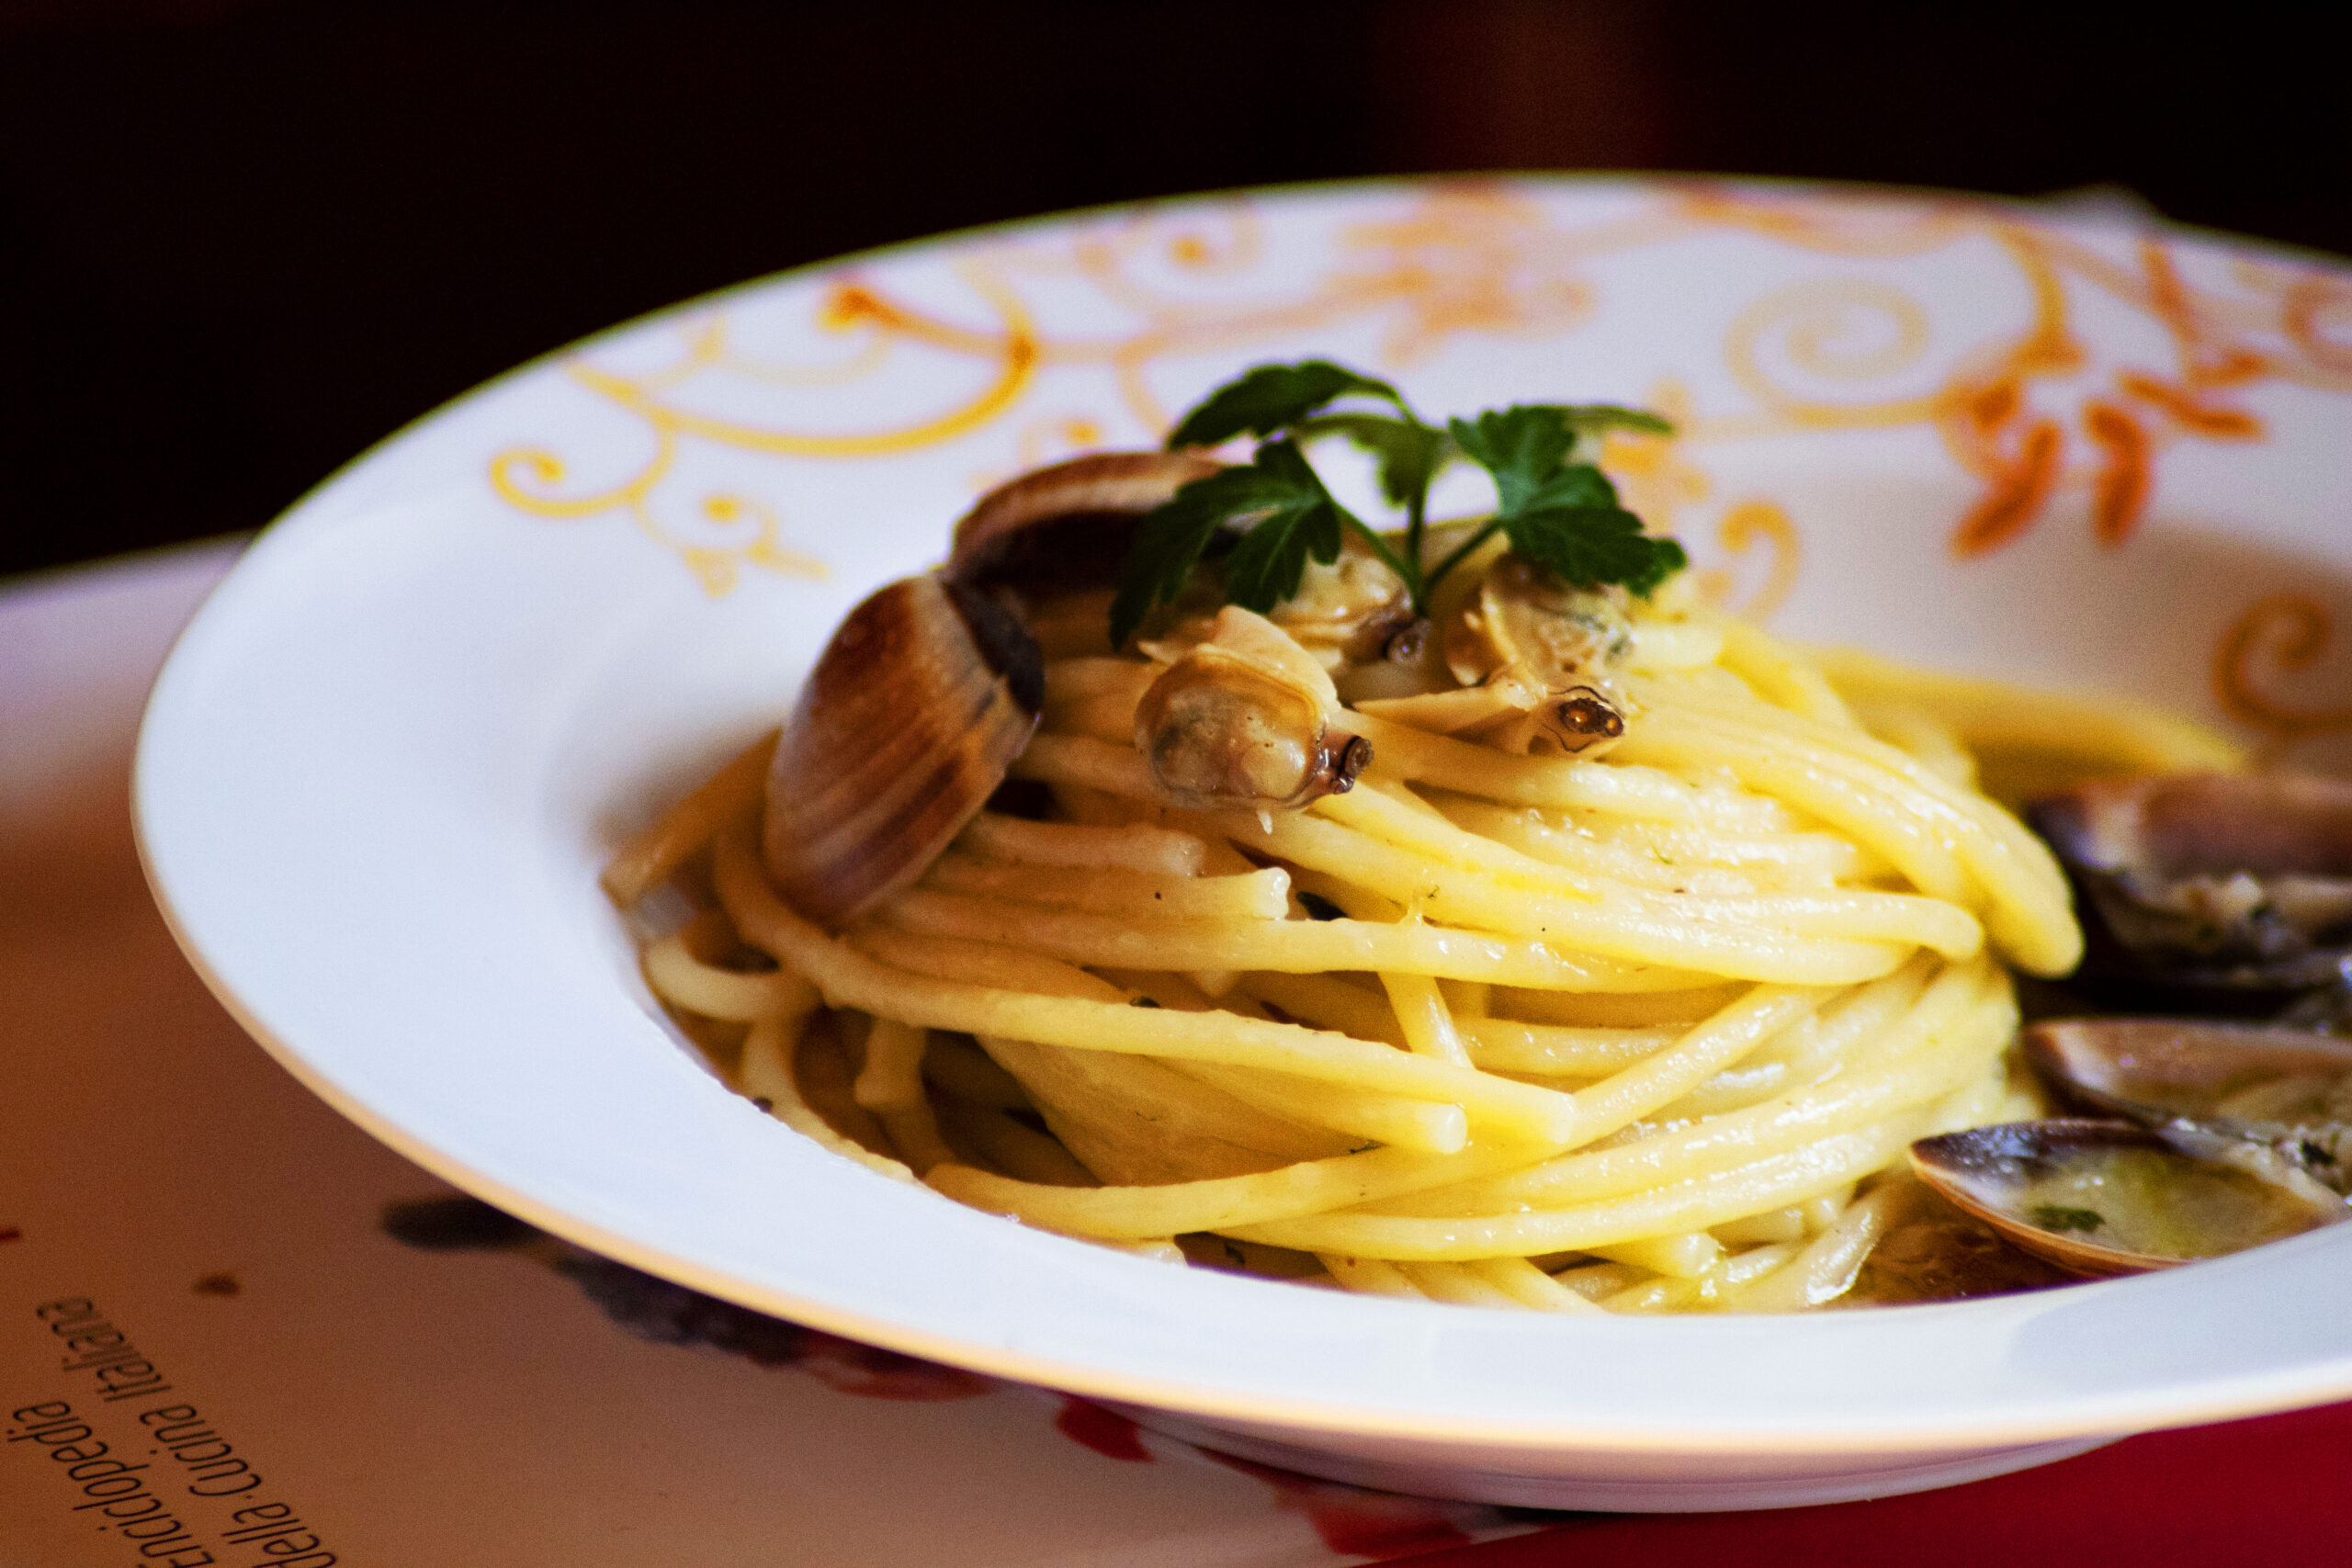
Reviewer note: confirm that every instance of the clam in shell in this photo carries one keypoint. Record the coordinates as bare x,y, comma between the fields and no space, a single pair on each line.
1524,632
2109,1198
2283,1086
1350,612
2212,883
1244,721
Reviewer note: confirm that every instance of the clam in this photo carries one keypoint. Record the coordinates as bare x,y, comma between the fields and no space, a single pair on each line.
1351,611
1511,711
2107,1197
1245,720
1562,720
2283,1086
1524,630
917,706
1405,664
1522,614
2209,883
1067,526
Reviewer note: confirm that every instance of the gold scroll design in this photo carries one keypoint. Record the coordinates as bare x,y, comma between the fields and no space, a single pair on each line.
1477,257
1220,241
1481,257
1746,525
1852,224
2288,633
2307,304
1658,483
2034,414
1048,438
527,477
1468,257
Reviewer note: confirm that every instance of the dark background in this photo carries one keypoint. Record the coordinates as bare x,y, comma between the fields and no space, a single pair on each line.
239,242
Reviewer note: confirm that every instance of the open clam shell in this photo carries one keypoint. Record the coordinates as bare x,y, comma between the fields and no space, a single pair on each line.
2281,1086
2111,1198
2208,881
915,710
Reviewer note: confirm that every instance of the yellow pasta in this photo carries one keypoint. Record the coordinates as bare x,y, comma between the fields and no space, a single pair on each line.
2028,744
1642,1030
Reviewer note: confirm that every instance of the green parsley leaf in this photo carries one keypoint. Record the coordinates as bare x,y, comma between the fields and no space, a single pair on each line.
1591,545
2060,1218
1578,485
1521,447
1592,419
1559,514
1410,452
1169,542
1272,398
1279,498
1300,519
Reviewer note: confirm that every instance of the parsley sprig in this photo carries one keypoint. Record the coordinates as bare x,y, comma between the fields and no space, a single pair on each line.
1555,511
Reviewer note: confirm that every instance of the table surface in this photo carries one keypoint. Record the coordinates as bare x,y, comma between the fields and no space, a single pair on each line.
339,1347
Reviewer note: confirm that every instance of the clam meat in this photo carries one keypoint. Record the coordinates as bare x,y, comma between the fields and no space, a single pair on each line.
1246,719
1523,630
1349,612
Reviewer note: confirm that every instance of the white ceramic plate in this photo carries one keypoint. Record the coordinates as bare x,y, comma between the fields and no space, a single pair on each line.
382,769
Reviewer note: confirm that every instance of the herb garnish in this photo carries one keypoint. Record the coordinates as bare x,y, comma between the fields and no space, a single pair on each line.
2060,1218
1555,511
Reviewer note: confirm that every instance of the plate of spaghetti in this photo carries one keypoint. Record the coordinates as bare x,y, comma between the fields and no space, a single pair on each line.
1395,826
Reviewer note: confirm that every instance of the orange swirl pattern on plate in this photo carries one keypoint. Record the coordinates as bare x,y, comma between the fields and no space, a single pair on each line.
2031,413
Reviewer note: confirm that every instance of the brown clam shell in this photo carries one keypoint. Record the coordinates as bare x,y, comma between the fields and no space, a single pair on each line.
919,702
1068,525
2209,883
